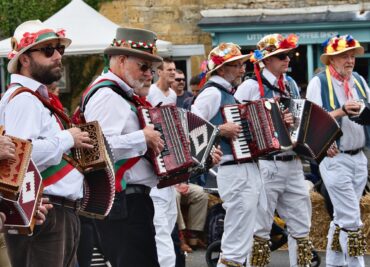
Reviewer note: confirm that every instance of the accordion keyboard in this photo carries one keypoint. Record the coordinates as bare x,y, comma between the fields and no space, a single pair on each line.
159,159
241,147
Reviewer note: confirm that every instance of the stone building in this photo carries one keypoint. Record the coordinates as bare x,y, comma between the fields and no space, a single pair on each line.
192,24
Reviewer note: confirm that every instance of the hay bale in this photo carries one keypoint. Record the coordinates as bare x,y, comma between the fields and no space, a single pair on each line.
321,220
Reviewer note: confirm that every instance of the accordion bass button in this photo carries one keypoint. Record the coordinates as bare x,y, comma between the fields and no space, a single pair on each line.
268,105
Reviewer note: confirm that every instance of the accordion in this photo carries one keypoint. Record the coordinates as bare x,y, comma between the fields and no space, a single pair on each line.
188,139
363,117
263,129
20,189
97,165
314,130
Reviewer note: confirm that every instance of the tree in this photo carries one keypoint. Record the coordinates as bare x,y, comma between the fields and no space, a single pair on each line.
14,12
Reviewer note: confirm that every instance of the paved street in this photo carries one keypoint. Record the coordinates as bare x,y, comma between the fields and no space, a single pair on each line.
279,259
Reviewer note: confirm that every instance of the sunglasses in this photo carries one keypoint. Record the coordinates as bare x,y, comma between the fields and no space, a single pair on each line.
145,67
284,56
180,79
49,50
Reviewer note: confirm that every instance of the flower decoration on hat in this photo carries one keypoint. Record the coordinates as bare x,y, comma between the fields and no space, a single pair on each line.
222,53
130,44
339,43
273,44
30,38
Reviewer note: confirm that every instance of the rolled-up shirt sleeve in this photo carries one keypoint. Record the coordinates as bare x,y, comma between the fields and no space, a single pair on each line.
314,91
115,117
25,123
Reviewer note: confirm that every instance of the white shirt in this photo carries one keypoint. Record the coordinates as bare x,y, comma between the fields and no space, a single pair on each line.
121,127
26,117
208,103
353,133
249,89
156,96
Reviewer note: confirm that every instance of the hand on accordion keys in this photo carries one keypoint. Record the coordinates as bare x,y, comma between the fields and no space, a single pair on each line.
153,139
288,117
333,150
7,148
42,211
230,130
81,139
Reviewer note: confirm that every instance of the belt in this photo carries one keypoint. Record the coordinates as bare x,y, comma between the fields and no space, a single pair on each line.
280,158
351,152
137,189
64,202
234,162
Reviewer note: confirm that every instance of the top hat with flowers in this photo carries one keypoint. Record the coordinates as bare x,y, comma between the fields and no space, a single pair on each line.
29,34
340,44
273,44
134,42
224,53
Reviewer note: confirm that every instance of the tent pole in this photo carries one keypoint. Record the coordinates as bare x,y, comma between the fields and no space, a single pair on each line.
2,75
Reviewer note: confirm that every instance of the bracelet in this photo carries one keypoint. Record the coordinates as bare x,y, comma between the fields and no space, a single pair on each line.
344,110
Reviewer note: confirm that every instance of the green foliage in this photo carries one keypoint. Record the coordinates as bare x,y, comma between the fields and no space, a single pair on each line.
14,12
81,68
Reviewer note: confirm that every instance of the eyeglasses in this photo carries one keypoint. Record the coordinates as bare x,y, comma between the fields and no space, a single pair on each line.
180,79
145,67
284,56
49,50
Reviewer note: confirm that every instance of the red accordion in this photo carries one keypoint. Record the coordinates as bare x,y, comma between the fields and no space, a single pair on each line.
314,130
263,129
97,165
188,143
20,188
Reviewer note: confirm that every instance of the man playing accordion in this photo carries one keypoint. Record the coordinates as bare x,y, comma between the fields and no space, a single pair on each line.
338,89
238,184
283,176
35,61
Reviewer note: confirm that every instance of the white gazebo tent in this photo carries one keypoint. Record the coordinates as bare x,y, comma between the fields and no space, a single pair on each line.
90,32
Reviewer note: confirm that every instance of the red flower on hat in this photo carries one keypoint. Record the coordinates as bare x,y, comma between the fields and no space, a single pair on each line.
335,44
217,59
28,39
289,42
61,33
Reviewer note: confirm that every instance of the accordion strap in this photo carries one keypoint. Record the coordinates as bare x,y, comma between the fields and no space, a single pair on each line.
60,114
44,101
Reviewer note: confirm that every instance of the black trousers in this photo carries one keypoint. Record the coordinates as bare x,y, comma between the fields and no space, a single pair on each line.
87,241
54,243
129,240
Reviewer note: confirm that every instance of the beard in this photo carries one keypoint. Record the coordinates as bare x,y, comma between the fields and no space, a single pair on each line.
46,74
132,82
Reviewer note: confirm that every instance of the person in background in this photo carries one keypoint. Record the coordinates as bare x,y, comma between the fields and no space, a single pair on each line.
179,86
164,199
194,85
